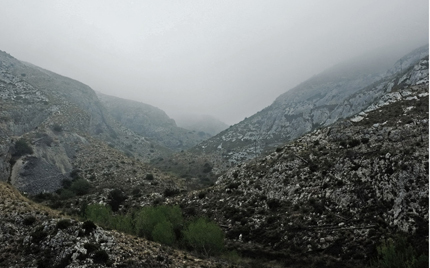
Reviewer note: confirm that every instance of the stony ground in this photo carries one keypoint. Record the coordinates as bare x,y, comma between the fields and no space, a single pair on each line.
32,235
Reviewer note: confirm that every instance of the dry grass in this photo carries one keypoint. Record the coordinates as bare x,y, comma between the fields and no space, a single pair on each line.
13,201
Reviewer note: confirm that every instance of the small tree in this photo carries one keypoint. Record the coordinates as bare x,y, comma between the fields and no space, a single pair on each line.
205,236
80,186
22,148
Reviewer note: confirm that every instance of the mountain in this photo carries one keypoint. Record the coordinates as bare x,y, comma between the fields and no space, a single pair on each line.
331,197
337,93
45,119
149,121
201,123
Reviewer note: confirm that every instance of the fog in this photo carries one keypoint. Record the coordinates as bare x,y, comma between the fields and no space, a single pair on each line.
225,58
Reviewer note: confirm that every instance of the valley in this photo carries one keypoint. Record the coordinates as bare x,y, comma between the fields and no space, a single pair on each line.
332,171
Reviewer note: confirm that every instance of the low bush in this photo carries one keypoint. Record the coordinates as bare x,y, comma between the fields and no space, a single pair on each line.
205,237
22,148
399,253
100,256
116,197
80,186
29,220
64,224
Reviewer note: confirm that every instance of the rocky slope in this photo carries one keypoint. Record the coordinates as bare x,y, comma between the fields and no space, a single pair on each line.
33,236
151,122
328,198
53,115
337,93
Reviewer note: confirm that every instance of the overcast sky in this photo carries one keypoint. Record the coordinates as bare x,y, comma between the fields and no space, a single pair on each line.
225,58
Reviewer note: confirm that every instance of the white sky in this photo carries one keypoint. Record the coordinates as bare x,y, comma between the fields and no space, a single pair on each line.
226,58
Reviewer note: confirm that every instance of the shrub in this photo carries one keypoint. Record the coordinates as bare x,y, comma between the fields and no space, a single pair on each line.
147,218
100,256
66,183
168,192
163,233
38,235
122,223
22,148
90,247
88,226
149,177
66,194
29,220
57,128
352,143
207,168
205,237
80,186
399,254
116,198
63,224
98,213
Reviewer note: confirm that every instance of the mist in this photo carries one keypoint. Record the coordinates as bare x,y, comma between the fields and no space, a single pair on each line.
227,59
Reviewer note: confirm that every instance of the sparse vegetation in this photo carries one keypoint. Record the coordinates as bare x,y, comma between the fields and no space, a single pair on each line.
399,253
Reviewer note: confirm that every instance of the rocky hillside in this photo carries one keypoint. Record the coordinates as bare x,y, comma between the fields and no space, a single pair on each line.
337,93
151,122
330,197
34,236
45,117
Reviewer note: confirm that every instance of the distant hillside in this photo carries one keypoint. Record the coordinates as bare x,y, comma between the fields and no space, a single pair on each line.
337,93
151,122
203,123
45,118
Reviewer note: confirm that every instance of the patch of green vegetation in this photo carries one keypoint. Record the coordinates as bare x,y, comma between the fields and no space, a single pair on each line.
22,148
163,224
205,237
399,253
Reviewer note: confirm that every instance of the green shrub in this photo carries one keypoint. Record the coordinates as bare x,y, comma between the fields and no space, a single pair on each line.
205,237
147,218
88,226
399,254
80,186
66,194
149,177
100,256
122,223
22,148
63,224
57,128
116,198
98,213
90,247
29,220
163,233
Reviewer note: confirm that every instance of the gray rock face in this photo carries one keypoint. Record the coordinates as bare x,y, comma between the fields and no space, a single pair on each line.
338,93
